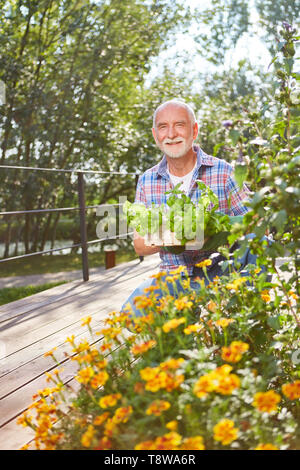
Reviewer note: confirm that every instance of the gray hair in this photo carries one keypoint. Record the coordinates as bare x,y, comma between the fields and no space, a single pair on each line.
177,102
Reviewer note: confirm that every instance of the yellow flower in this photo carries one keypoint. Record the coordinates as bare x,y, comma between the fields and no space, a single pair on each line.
266,401
266,447
182,303
171,363
292,390
193,443
219,380
50,353
172,324
186,283
149,373
233,353
157,407
236,283
85,375
172,425
87,437
179,270
265,295
141,348
225,432
225,384
193,329
143,302
203,386
109,400
293,295
204,263
169,441
146,445
86,321
212,306
224,322
99,420
99,379
122,414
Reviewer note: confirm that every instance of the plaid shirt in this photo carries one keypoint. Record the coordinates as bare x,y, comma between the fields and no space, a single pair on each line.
215,173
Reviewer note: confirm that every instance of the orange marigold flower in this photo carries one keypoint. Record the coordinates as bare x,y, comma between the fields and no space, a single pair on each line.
109,400
183,303
265,295
233,353
212,306
172,324
291,390
227,383
157,407
266,447
99,379
266,401
203,386
143,301
99,420
169,441
225,432
219,380
85,375
87,437
141,348
171,363
146,445
149,373
122,414
193,443
104,444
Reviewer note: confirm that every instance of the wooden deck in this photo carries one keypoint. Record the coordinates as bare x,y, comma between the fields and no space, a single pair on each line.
32,326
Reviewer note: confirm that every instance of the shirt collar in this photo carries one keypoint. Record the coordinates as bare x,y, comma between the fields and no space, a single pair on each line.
202,159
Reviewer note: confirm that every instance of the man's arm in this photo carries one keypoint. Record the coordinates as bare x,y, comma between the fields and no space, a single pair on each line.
140,248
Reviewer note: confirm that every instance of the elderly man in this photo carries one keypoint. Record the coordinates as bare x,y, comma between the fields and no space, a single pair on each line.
175,130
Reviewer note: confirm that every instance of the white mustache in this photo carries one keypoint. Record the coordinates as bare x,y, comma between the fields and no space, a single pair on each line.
178,140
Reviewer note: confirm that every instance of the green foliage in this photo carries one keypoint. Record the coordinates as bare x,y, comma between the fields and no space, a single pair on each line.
10,294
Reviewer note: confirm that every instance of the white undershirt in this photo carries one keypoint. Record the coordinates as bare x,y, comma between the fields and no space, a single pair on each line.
184,180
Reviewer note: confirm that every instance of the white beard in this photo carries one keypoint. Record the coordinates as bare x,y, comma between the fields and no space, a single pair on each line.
184,147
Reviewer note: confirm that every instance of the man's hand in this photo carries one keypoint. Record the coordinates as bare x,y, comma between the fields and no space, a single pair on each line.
140,248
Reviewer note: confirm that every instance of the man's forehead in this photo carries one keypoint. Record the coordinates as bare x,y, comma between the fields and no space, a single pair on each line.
172,111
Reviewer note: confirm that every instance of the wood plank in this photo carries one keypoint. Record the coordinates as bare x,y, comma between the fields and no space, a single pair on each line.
21,336
128,270
16,334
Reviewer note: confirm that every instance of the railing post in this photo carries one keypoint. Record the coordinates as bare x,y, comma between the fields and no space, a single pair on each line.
136,182
83,231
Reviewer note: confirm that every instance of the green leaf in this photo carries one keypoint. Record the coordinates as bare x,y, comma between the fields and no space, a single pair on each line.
240,174
234,135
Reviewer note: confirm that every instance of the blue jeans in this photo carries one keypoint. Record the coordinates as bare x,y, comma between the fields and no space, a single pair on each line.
212,271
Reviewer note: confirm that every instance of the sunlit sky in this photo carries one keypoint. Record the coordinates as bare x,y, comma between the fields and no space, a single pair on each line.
248,47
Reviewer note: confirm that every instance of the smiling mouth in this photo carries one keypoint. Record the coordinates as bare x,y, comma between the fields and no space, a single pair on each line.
174,143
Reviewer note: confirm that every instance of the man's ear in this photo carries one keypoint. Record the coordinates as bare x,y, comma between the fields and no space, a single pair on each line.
154,134
195,131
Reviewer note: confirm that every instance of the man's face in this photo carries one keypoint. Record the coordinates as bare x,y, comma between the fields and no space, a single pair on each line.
174,132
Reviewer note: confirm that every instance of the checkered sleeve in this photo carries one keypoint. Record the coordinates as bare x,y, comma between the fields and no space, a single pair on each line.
140,196
237,196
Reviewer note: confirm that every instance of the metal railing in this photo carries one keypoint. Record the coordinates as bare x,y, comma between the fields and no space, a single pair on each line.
84,243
